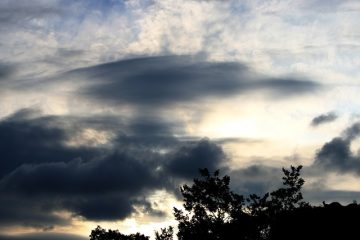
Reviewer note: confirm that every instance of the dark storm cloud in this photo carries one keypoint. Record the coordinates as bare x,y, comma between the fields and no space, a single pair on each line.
30,138
42,175
35,212
106,189
165,80
352,132
106,207
189,159
324,118
113,173
336,154
111,183
34,140
43,236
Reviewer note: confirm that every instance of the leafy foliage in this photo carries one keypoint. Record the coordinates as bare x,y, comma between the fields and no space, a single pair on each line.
212,211
165,234
210,207
265,209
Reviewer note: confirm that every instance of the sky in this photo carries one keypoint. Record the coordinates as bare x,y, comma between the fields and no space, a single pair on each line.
107,107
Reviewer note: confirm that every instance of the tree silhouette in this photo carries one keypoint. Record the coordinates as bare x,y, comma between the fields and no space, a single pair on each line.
266,209
212,211
165,234
101,234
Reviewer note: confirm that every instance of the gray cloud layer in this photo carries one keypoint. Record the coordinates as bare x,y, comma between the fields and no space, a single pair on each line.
41,174
43,236
165,80
324,118
5,72
22,12
336,155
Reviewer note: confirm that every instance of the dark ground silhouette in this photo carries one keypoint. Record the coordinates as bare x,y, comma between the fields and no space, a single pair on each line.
332,221
212,211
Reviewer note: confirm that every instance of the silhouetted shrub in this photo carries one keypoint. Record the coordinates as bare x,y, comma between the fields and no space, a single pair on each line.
101,234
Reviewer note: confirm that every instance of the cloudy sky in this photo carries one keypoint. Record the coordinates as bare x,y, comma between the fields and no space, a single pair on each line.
107,107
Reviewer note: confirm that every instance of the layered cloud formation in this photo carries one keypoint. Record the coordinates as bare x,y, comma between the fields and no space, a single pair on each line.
40,170
48,162
105,103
